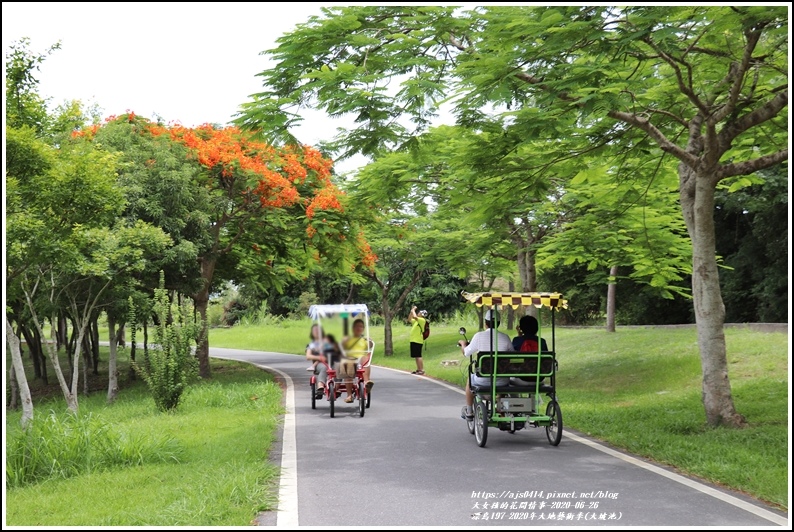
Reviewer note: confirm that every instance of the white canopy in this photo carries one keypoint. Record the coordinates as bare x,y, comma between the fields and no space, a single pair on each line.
323,311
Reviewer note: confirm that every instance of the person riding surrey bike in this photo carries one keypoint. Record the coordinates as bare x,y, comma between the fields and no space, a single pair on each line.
356,346
481,341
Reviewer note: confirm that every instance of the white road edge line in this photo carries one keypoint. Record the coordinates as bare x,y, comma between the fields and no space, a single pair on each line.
730,499
287,513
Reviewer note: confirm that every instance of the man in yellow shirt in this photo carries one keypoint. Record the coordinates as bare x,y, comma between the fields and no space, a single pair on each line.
417,320
355,346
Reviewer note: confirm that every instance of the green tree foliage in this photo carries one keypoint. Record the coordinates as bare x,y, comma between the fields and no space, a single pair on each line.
159,183
438,293
66,244
752,235
634,223
169,365
24,105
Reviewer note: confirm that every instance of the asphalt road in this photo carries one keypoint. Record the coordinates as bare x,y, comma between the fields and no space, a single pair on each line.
410,462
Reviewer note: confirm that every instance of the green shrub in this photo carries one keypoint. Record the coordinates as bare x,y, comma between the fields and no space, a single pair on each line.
169,365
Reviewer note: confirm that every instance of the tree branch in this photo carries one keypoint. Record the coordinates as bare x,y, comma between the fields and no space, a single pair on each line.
683,87
737,74
645,125
758,116
753,165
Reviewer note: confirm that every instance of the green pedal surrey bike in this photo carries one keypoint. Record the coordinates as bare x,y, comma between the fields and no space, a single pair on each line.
531,373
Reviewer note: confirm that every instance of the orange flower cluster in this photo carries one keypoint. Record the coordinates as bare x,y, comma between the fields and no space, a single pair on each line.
313,160
368,258
276,191
326,199
88,132
293,168
230,151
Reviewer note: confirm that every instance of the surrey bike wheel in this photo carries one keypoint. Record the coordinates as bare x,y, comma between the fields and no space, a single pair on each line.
480,423
314,395
331,395
554,428
361,401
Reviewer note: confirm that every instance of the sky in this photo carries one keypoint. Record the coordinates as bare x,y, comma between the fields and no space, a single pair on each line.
193,62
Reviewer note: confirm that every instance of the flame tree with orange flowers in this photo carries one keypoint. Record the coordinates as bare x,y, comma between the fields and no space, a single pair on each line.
244,211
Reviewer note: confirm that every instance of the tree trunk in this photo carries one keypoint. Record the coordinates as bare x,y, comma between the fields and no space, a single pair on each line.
86,361
389,311
93,328
33,346
71,347
19,370
113,374
133,346
532,281
611,286
525,258
523,239
697,204
62,336
388,337
71,400
121,339
13,388
388,317
201,300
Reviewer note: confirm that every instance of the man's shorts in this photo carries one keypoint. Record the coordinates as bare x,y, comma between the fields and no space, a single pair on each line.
416,350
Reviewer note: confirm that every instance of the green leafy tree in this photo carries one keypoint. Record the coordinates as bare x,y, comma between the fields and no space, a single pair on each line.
705,85
241,210
24,106
631,224
66,244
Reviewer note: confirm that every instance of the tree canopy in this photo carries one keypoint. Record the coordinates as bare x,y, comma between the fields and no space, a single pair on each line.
705,86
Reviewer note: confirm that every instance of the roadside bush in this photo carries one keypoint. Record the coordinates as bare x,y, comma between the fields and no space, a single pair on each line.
169,365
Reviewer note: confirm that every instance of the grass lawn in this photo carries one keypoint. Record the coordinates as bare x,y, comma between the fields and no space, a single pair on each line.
206,464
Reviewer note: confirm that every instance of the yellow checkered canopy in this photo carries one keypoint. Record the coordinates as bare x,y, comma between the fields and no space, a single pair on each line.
551,300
